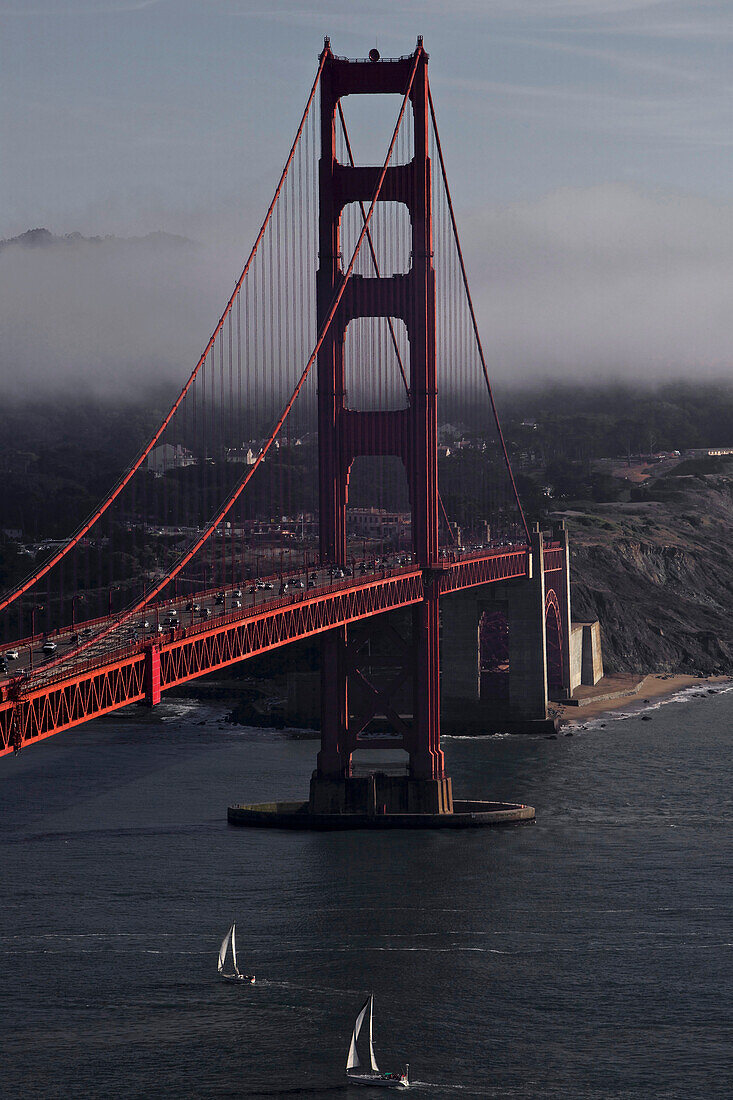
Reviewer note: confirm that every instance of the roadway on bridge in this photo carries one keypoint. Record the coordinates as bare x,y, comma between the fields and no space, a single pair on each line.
163,620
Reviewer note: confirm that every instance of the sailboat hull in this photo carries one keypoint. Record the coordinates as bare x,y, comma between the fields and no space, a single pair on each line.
377,1079
250,978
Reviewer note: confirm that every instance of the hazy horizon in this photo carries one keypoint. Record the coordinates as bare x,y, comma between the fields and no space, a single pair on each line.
595,284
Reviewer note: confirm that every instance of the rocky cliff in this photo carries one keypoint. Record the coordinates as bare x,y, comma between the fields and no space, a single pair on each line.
658,574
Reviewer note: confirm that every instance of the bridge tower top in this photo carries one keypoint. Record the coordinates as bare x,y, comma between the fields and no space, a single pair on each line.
346,433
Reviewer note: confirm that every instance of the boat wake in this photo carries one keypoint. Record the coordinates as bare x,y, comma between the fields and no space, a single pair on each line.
438,1085
331,991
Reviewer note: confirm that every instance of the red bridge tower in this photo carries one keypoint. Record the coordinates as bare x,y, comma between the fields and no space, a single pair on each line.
410,434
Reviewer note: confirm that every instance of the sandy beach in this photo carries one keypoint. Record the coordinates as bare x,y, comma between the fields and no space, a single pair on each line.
631,690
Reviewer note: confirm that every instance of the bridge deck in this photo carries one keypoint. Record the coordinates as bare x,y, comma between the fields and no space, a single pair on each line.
67,695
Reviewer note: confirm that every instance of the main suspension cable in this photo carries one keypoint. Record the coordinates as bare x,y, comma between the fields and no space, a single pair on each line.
473,316
242,484
81,531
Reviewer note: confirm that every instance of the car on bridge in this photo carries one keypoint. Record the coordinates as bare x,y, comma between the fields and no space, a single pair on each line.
10,655
49,647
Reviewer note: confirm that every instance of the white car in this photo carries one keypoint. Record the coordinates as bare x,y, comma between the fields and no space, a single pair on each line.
49,647
11,654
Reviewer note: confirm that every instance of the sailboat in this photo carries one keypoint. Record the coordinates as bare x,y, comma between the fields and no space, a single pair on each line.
235,975
354,1071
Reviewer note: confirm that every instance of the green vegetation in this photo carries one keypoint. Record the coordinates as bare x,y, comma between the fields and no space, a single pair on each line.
577,423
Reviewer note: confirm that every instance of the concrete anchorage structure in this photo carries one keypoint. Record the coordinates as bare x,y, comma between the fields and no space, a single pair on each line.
549,655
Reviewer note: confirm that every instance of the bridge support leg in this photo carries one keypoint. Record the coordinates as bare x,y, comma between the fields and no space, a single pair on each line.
426,755
429,790
334,759
460,649
152,675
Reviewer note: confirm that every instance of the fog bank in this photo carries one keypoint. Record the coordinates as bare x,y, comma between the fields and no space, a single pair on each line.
598,283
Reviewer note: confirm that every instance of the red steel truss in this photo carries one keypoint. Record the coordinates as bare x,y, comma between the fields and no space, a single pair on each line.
144,672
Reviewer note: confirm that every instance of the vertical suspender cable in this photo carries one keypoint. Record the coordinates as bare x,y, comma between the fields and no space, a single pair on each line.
237,491
82,530
473,317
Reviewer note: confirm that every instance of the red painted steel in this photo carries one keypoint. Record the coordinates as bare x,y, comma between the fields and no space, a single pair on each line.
554,559
410,434
324,331
126,676
68,691
504,566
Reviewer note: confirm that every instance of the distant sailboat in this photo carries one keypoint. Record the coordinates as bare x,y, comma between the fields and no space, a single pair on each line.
358,1076
235,975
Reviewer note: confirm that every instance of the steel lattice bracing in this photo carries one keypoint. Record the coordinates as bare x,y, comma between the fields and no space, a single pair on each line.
194,651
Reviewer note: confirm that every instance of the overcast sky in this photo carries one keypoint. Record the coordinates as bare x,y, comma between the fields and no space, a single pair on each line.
588,144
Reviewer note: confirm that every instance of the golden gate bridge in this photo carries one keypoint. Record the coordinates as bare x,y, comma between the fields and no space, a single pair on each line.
294,488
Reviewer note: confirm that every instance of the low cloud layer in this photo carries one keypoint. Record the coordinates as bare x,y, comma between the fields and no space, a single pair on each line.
106,317
599,283
605,282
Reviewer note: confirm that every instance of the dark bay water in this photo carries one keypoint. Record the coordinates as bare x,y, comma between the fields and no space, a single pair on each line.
587,955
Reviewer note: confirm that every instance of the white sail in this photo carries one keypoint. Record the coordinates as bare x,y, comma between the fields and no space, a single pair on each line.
352,1061
372,1059
234,950
223,948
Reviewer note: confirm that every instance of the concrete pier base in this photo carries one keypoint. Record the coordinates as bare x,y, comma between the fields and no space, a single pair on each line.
380,794
297,815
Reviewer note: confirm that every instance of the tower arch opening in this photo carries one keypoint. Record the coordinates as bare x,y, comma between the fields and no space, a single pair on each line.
553,638
370,121
376,364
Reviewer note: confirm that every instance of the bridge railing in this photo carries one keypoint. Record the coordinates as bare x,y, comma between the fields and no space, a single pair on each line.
498,567
120,654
